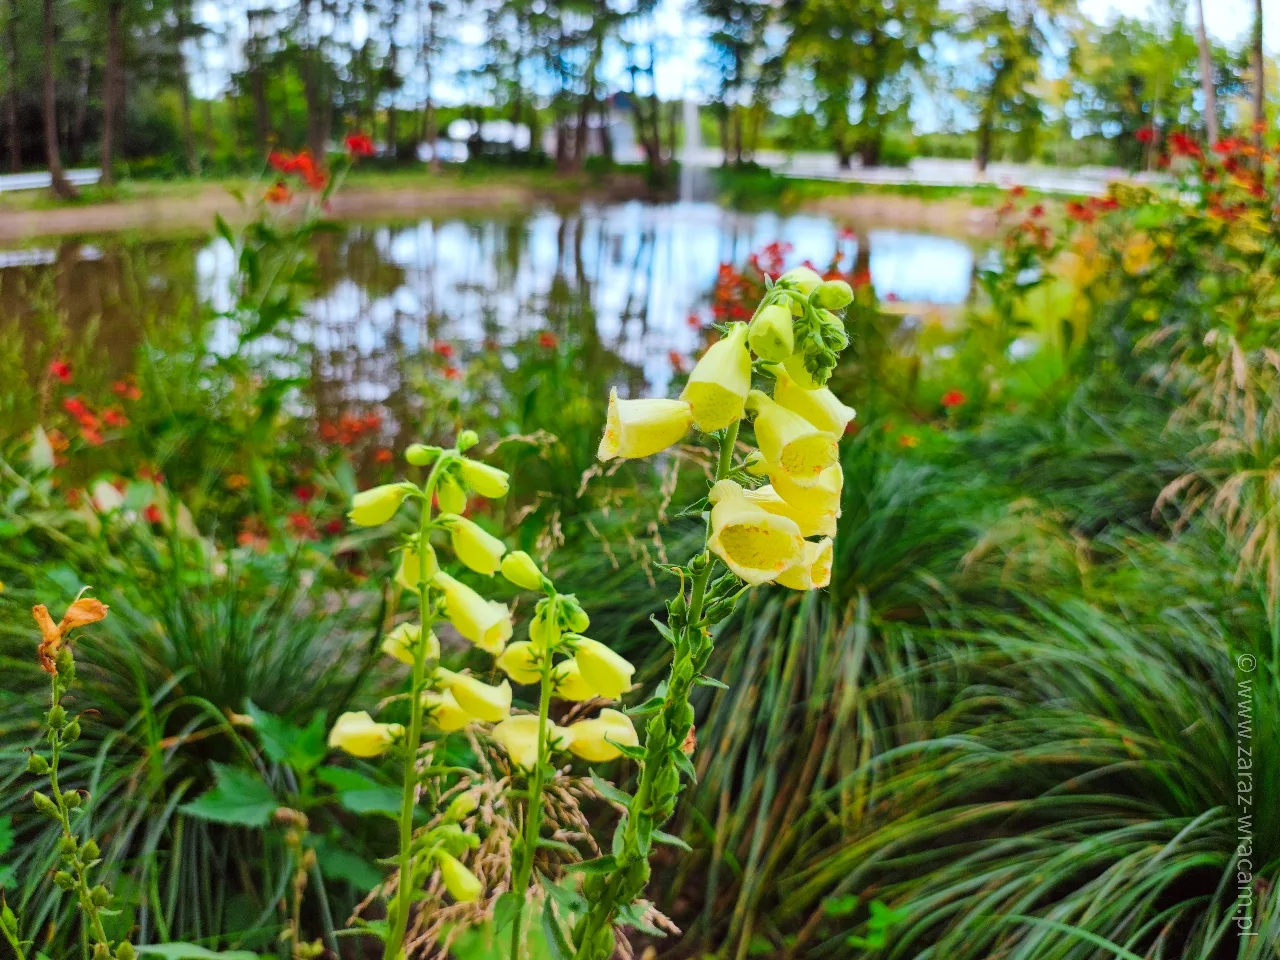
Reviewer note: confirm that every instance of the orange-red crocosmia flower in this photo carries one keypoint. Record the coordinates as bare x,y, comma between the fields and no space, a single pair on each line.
452,373
953,398
61,370
360,145
279,193
548,339
442,349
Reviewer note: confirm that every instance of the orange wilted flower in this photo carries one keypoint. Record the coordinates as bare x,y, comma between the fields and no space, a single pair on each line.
83,612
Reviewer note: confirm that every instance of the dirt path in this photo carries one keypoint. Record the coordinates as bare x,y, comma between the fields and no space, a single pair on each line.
954,217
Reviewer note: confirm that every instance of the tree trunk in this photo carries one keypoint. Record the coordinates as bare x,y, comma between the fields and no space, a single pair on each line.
75,135
872,138
724,134
58,181
261,109
11,98
1259,82
184,91
1206,78
311,87
606,136
111,87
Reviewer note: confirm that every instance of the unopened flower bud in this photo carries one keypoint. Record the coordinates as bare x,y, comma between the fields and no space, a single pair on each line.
45,805
518,567
461,807
832,295
64,880
467,439
67,847
125,951
90,852
100,896
71,799
56,716
37,764
421,455
72,732
800,278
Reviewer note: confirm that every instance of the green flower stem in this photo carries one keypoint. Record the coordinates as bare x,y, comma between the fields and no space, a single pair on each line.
408,798
533,817
78,866
685,668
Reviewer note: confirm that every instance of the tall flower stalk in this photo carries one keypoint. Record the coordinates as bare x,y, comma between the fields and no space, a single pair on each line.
758,533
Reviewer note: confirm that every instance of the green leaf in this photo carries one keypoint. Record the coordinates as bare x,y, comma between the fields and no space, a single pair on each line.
504,911
710,682
633,753
663,629
671,840
556,942
632,915
358,793
599,865
546,844
300,747
609,791
339,863
189,951
6,835
840,906
240,798
685,765
224,229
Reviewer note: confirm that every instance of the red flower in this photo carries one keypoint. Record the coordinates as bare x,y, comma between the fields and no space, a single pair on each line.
1182,145
153,514
1037,210
114,417
452,373
280,193
302,526
304,492
677,361
127,388
280,161
333,526
1018,191
693,321
846,233
360,145
1145,135
548,339
1079,212
90,435
1228,145
60,369
328,431
76,407
383,456
862,278
371,422
891,297
953,398
442,349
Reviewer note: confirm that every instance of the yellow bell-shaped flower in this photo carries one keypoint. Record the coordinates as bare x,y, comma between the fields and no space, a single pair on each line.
820,407
595,739
755,544
463,885
521,662
486,623
720,381
823,496
402,643
772,336
812,522
361,736
791,442
375,506
518,567
608,674
450,496
814,571
481,700
444,711
570,684
474,546
794,365
415,562
804,279
640,428
518,736
489,482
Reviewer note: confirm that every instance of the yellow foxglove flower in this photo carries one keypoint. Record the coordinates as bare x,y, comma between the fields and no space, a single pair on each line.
812,522
639,428
463,885
444,711
461,807
520,662
823,495
475,547
801,278
450,496
402,642
518,736
361,736
518,567
771,336
570,684
820,407
791,442
814,571
794,365
375,506
482,701
720,381
486,623
753,543
607,673
595,739
415,562
489,482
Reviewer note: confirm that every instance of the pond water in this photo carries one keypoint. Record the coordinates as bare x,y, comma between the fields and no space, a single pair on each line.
634,271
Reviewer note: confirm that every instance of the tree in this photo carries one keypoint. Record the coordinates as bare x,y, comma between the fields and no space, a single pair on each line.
1259,82
1206,77
58,181
747,71
112,84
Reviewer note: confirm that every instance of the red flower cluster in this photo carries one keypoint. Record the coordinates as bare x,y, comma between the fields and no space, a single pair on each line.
1088,211
90,425
127,388
359,144
349,428
953,398
548,340
442,349
1146,135
1181,145
61,370
676,359
302,164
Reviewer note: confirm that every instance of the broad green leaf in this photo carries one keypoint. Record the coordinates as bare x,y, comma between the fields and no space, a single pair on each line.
338,863
240,797
300,747
559,946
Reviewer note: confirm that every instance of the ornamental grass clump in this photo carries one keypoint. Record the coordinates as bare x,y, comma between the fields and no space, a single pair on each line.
773,371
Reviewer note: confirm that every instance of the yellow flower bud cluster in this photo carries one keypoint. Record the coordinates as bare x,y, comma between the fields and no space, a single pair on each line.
783,531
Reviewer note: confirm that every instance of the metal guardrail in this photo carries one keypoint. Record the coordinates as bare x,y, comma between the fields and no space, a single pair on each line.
41,180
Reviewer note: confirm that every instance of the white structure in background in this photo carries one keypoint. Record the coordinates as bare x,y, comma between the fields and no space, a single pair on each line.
41,180
453,146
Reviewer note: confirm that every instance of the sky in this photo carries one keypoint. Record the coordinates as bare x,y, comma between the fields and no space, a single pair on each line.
1227,20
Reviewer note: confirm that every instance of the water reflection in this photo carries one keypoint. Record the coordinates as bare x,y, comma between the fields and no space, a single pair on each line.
625,277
